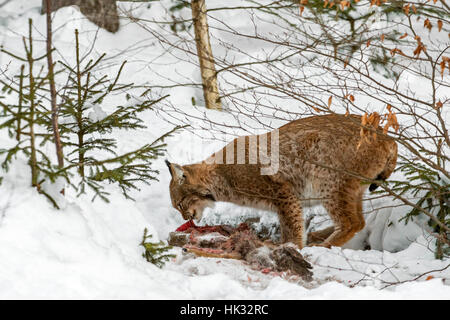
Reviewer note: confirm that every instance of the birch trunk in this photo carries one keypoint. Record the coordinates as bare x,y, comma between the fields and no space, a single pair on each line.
205,56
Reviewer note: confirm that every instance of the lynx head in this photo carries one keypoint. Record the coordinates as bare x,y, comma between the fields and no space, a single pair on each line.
188,193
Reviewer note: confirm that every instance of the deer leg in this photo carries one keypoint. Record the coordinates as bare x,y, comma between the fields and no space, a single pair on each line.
319,236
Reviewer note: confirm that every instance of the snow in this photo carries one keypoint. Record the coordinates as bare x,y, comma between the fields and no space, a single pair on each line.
385,231
97,114
90,250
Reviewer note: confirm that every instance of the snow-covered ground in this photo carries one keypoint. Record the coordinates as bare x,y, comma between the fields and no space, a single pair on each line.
91,249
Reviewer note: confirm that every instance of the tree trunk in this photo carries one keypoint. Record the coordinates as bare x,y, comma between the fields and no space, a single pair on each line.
31,119
51,78
205,56
101,12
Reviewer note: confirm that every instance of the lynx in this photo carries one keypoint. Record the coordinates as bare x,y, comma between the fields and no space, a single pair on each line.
321,160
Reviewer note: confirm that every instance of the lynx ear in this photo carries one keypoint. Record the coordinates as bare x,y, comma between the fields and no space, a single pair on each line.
176,171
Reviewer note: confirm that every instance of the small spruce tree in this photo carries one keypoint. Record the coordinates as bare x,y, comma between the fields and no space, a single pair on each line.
433,195
25,119
155,252
91,157
86,129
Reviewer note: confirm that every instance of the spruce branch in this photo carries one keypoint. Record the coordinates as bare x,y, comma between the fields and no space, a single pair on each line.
155,252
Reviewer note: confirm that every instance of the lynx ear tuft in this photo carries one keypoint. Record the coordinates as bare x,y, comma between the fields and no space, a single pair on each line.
168,165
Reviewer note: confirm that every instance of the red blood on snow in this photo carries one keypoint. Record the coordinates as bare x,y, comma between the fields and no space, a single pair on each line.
190,226
187,225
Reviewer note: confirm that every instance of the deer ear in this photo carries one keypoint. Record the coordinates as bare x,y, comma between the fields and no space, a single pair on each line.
176,171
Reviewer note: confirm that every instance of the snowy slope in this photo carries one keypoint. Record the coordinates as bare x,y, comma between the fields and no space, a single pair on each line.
90,250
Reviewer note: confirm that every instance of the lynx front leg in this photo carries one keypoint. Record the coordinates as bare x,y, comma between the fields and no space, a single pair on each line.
291,219
345,208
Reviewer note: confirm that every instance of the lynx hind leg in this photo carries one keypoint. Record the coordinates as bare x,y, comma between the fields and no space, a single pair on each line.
291,219
345,209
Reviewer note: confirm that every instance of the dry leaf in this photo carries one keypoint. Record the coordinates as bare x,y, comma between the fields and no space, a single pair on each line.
363,132
396,50
345,63
344,4
406,9
301,10
329,101
442,64
382,37
396,126
440,24
420,47
446,60
391,120
427,24
364,119
404,36
374,119
417,51
368,42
